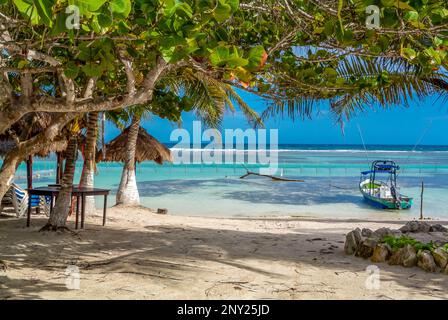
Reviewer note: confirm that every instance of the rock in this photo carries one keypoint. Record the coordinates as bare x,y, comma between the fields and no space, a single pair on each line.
396,233
383,232
440,257
406,256
381,253
438,228
352,241
416,226
426,261
366,233
365,249
446,270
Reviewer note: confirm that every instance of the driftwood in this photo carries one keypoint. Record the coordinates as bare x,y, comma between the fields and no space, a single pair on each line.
268,176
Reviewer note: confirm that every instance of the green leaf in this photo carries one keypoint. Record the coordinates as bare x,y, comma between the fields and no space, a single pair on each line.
87,6
22,64
403,5
220,56
411,16
27,8
121,6
235,61
223,11
409,53
256,55
59,25
71,70
388,3
234,4
92,70
329,28
104,20
331,73
44,8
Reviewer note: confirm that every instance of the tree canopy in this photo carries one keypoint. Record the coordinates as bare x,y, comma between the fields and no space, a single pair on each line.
72,56
251,44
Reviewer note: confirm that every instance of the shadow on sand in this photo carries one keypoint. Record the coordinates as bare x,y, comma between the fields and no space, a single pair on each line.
169,254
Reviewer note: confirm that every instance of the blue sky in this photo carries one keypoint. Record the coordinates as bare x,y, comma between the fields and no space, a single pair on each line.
397,125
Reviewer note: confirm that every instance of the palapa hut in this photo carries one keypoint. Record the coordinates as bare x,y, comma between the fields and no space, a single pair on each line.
122,148
148,148
27,127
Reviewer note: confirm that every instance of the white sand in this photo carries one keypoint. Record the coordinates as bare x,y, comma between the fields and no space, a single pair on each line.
141,255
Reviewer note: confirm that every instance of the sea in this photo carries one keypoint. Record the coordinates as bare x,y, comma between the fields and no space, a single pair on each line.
330,174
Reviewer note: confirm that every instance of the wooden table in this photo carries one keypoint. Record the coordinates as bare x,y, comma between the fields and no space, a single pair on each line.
79,193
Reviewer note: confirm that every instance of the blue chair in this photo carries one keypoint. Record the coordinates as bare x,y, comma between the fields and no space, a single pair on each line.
20,201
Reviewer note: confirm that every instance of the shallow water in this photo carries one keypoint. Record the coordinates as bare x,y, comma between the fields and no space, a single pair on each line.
330,189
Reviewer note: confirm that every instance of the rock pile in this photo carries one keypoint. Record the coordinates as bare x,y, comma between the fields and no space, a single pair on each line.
431,257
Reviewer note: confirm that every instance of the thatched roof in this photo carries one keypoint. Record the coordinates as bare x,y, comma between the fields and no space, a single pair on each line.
28,126
148,149
58,145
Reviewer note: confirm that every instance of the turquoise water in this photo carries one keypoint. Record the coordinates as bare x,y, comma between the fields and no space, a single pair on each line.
331,175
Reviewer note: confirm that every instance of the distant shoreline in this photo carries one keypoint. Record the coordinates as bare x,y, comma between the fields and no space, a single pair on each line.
285,147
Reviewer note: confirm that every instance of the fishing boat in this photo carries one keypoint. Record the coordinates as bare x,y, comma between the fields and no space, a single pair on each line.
379,186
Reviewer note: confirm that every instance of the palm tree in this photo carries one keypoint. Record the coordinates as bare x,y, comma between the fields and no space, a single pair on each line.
210,98
389,82
60,212
89,150
127,193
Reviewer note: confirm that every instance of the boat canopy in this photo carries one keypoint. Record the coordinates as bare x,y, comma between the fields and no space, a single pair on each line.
386,167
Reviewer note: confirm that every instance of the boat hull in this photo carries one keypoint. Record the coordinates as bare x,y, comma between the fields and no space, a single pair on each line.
381,203
387,204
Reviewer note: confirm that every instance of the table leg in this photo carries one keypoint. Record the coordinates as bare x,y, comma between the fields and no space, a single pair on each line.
28,214
83,210
77,212
51,204
104,210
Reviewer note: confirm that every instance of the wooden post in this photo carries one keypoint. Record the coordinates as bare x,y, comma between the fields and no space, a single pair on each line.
59,169
421,201
29,172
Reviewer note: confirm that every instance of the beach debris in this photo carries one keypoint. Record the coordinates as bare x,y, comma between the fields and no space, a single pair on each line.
162,211
365,249
3,265
440,257
352,241
316,239
381,253
406,257
249,173
426,261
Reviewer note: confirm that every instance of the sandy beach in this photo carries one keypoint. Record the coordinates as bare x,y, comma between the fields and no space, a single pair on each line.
142,255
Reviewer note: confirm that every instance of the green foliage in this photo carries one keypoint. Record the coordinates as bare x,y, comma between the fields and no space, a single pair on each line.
397,243
293,61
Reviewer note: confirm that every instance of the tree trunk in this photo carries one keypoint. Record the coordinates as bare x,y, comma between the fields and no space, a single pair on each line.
60,212
88,170
128,192
8,171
